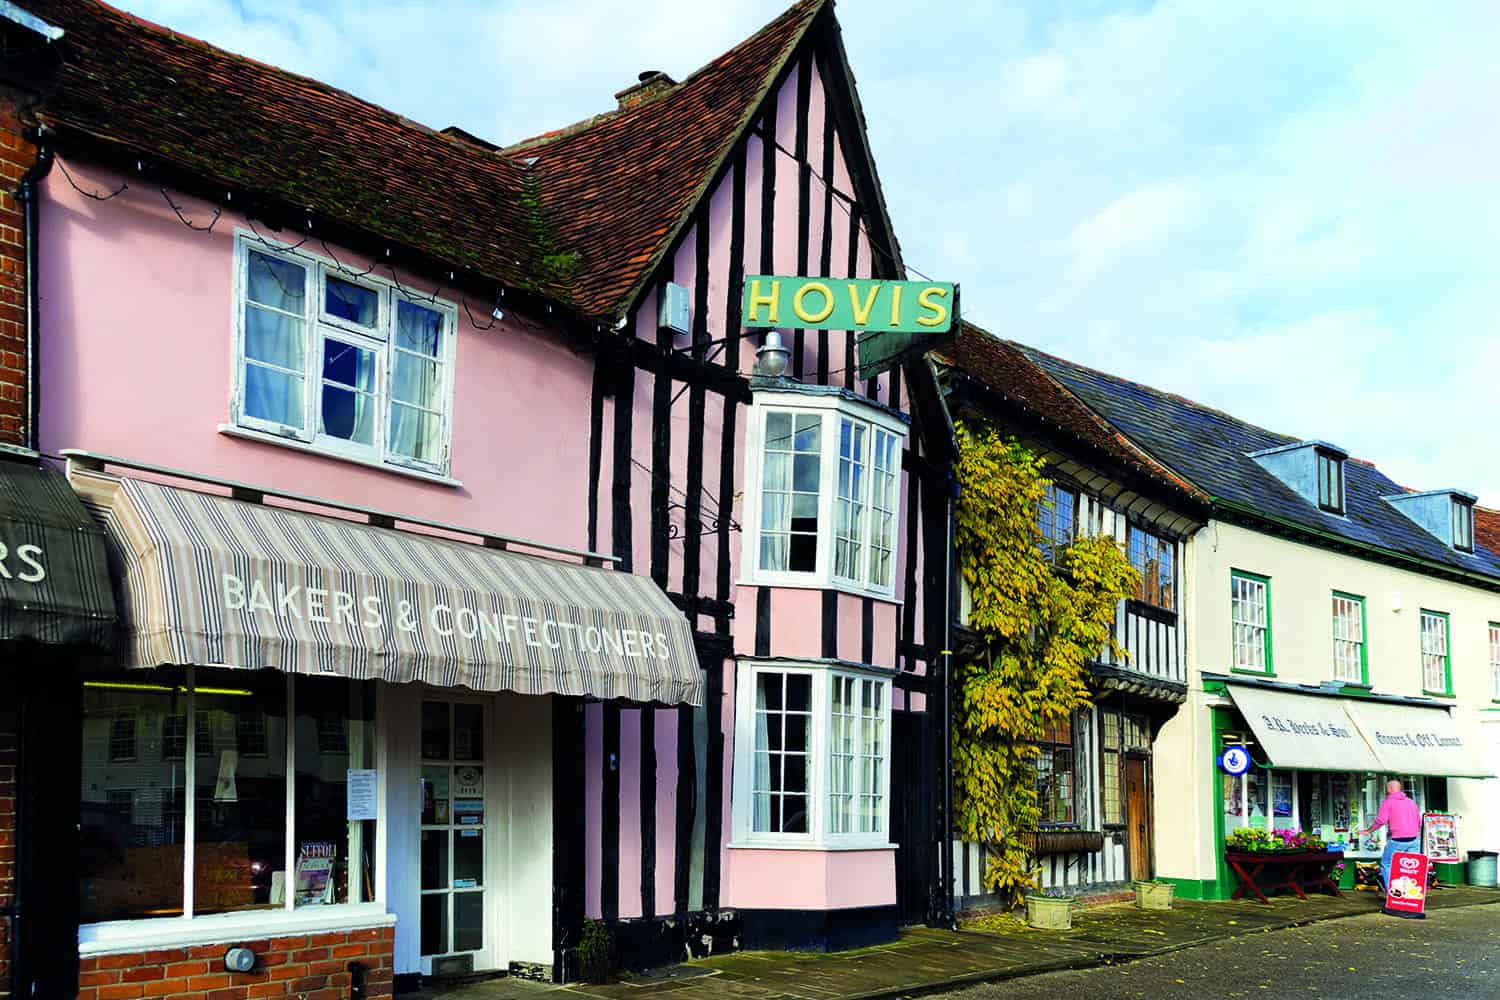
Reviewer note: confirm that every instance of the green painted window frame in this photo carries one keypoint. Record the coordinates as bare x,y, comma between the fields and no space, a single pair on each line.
1364,637
1447,691
1265,581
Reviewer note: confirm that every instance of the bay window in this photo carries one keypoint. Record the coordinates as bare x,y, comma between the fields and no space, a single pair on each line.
228,791
811,759
350,366
825,498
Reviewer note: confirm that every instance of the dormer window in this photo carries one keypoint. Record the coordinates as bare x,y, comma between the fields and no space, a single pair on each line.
1313,469
1330,481
1462,517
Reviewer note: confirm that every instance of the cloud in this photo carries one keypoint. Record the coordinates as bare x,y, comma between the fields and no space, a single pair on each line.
1285,211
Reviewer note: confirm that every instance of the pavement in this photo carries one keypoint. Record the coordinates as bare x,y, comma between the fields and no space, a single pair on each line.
991,949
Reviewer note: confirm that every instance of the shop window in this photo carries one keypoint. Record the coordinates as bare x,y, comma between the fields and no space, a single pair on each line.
223,760
1057,519
829,489
1495,661
1437,667
454,827
1349,653
812,759
1250,615
353,367
1155,559
1054,775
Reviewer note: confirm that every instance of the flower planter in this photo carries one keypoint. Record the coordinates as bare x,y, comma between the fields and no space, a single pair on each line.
1050,913
1154,895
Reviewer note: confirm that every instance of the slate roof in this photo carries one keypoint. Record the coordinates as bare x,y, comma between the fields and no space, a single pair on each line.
1209,448
1006,369
580,216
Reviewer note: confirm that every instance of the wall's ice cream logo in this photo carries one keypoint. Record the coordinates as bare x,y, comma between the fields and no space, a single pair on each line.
1406,896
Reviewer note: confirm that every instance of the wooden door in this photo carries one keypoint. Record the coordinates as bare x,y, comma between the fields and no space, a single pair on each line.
1137,818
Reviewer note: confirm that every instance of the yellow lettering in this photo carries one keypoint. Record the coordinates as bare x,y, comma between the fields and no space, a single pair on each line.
895,305
939,311
802,313
772,300
862,312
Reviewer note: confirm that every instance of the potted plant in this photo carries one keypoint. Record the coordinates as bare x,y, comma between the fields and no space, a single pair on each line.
1154,895
1049,910
595,953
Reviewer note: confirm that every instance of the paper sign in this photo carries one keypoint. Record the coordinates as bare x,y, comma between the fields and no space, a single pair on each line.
1440,837
225,788
1406,896
360,784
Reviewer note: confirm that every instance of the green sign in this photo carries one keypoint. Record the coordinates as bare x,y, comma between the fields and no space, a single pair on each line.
894,319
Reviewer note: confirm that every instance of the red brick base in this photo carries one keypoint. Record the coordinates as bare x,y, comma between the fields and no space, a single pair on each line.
305,967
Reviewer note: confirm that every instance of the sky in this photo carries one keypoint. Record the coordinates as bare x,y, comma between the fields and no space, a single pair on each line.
1286,211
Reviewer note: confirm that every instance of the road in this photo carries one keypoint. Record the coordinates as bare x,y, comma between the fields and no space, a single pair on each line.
1453,953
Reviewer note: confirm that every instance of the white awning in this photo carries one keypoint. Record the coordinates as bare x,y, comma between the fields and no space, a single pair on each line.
1305,731
1412,739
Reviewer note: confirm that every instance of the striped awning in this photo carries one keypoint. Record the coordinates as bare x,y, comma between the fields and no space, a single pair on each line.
54,581
213,581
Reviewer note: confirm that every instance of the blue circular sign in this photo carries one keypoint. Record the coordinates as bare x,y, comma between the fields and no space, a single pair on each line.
1235,760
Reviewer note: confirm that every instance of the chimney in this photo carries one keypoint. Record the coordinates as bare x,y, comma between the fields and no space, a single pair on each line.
650,85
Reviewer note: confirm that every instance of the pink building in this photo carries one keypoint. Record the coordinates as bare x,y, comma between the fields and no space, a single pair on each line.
470,571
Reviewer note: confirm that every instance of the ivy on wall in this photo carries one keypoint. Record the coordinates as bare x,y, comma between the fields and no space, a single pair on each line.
1040,624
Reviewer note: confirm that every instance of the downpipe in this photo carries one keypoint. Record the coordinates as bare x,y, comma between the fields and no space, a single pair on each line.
28,195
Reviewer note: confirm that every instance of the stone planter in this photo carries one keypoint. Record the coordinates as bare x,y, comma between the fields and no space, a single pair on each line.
1050,913
1154,895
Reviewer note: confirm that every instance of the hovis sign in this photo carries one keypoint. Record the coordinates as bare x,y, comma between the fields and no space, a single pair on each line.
893,319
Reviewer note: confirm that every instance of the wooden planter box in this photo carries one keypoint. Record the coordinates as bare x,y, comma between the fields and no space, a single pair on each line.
1154,895
1050,913
1064,841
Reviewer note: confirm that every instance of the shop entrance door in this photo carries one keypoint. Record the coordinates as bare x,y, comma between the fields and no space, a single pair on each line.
1137,818
453,835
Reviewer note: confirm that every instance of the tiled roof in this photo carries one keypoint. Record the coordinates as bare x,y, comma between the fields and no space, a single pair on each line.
619,186
580,216
1487,528
151,92
1006,369
1209,448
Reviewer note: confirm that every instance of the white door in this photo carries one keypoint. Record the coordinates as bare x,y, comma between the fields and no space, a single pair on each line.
454,830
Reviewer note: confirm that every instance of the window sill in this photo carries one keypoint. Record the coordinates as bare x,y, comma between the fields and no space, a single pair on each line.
812,845
245,433
1252,673
843,588
1438,694
124,936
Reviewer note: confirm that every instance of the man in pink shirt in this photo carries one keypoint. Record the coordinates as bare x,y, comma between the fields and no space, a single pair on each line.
1404,820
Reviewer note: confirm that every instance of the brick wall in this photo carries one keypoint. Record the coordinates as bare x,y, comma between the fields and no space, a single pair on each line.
16,155
7,823
305,967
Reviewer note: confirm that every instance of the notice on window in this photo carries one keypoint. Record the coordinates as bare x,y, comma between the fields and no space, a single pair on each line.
360,785
468,782
468,811
225,788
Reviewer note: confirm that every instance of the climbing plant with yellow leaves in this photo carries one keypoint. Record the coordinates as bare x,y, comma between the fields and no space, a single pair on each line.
1040,623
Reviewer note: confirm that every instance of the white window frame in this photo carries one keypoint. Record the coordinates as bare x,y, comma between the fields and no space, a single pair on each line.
112,936
819,835
1262,585
316,325
1494,661
832,408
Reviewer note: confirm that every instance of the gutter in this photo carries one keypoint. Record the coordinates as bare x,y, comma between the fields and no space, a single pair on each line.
1333,541
28,195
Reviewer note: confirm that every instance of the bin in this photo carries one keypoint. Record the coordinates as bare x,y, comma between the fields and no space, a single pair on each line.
1482,868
